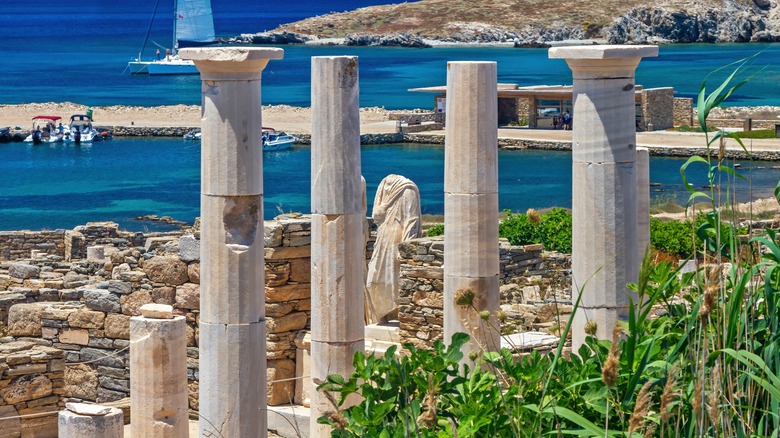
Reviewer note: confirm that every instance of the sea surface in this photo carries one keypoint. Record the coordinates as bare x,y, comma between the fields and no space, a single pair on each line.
60,51
62,186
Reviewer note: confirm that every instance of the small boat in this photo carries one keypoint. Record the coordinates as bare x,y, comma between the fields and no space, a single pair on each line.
81,130
46,130
274,140
195,134
193,26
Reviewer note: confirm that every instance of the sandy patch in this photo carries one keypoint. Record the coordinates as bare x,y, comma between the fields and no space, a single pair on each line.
282,117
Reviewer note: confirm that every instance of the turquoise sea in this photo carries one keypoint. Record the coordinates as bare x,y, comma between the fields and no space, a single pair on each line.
79,54
64,185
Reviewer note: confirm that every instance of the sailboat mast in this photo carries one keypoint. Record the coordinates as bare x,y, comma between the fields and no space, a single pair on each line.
175,46
148,30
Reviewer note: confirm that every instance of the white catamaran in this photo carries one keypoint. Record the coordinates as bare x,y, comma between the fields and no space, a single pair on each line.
193,26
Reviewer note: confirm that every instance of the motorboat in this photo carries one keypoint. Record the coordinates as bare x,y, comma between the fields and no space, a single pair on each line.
47,129
193,26
274,140
81,130
195,134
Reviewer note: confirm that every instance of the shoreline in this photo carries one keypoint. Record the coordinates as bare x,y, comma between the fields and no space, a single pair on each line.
376,127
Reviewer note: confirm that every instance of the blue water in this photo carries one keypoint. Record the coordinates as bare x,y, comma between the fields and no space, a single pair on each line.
61,51
63,186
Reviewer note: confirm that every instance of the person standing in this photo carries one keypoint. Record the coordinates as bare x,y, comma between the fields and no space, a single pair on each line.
567,121
158,54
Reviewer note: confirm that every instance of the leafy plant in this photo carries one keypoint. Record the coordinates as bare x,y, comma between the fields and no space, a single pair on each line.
552,229
698,354
435,230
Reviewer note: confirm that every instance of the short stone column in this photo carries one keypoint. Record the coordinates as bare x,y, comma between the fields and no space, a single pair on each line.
232,304
337,314
81,420
471,205
642,201
158,373
604,206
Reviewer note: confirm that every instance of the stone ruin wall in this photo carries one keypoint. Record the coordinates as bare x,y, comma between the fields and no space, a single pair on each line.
82,308
530,278
683,111
70,244
657,108
31,389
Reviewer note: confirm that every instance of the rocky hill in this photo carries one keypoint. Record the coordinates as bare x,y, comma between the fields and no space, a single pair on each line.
530,23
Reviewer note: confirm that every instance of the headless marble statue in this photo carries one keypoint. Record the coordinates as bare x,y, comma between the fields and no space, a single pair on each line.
397,216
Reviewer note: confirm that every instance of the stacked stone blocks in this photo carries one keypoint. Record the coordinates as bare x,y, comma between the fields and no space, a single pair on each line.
31,389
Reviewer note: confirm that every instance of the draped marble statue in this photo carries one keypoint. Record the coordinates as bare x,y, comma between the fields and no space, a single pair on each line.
397,216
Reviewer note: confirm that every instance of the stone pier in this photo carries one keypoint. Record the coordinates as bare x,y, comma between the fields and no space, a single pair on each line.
232,305
471,204
642,201
158,373
80,420
604,192
337,262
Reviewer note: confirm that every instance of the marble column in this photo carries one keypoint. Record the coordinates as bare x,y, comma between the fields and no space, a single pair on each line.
337,314
232,304
158,373
81,420
604,189
642,201
471,204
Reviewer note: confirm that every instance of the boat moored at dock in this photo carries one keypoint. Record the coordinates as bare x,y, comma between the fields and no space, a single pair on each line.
274,140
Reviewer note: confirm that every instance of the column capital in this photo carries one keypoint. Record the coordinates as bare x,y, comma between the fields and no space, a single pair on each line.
603,62
231,63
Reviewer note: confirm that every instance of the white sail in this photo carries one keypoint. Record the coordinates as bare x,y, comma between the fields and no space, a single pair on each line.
194,23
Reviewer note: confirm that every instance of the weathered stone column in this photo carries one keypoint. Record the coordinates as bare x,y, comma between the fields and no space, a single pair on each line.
337,314
471,203
232,305
642,201
604,209
158,373
80,420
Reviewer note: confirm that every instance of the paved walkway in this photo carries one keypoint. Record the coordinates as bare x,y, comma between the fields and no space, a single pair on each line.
656,139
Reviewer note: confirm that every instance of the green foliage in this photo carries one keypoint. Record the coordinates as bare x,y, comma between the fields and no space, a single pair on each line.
758,133
698,354
673,237
435,230
686,128
552,229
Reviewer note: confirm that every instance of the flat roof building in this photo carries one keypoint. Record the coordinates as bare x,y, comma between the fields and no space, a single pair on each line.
541,106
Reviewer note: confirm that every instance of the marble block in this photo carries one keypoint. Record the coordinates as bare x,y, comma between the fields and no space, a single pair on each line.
471,238
336,187
337,265
231,276
232,379
471,143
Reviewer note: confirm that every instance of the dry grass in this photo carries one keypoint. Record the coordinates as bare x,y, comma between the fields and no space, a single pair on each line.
442,18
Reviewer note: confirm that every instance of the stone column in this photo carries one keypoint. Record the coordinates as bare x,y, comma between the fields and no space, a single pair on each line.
232,305
604,208
471,203
642,201
158,373
80,420
337,314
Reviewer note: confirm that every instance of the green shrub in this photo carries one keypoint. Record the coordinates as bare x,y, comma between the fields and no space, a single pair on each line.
553,230
435,230
673,237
